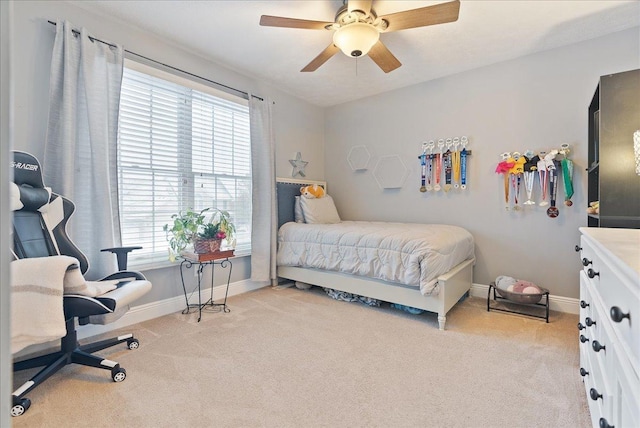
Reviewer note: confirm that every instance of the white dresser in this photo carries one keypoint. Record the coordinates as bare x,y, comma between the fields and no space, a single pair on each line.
609,326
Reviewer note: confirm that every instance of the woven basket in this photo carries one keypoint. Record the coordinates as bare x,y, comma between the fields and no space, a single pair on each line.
214,245
204,246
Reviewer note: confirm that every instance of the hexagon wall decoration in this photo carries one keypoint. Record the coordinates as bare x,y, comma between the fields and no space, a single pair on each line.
390,172
358,158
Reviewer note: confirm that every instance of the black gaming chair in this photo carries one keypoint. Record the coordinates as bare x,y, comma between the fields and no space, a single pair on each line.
39,222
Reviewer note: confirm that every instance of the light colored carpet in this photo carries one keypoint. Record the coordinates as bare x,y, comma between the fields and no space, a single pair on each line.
293,358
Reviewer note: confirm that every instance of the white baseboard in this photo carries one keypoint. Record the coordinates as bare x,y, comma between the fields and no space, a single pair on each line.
556,303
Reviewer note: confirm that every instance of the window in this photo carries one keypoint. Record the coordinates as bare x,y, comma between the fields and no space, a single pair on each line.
180,145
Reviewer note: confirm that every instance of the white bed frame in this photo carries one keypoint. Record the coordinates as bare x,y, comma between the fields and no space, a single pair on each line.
453,285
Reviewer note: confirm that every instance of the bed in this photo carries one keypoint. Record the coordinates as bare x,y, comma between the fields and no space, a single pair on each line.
428,267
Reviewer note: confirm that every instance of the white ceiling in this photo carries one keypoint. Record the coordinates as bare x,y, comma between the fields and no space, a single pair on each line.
487,32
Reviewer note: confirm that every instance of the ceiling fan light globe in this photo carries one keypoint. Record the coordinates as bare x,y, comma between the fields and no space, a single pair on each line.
356,39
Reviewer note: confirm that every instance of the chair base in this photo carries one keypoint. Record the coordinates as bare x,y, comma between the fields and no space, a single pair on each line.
70,353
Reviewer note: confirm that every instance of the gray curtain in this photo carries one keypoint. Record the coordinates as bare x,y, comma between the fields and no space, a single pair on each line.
80,150
264,222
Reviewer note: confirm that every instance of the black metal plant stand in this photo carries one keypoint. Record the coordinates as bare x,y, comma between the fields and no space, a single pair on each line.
187,263
496,298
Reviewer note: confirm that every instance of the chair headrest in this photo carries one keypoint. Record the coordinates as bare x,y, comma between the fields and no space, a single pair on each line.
29,192
26,170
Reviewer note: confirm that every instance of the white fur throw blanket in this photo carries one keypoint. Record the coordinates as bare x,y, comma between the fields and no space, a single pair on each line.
37,287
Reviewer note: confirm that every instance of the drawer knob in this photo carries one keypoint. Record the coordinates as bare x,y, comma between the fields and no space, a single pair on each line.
592,273
586,262
602,423
593,393
578,248
617,315
583,372
597,347
583,304
583,339
589,322
580,326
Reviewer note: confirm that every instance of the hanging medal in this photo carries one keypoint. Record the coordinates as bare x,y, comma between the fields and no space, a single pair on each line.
530,168
455,161
447,170
463,163
503,168
512,176
438,166
529,178
567,175
550,167
430,166
543,178
423,165
516,176
552,211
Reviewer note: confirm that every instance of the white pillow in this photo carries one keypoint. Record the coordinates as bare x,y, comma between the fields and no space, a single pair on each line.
297,211
321,210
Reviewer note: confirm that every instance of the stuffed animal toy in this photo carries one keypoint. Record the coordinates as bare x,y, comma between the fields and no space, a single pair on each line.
513,285
526,287
313,191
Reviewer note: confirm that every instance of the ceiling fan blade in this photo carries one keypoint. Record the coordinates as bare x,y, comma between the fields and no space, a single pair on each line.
361,5
324,56
279,21
421,17
383,57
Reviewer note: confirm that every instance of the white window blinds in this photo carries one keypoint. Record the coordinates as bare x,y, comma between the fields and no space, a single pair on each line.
179,147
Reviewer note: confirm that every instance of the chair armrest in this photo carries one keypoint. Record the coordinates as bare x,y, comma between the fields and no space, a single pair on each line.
121,254
124,274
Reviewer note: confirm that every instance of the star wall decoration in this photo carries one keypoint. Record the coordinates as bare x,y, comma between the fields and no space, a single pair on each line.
298,165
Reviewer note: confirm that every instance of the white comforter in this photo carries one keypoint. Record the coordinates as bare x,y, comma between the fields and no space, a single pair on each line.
406,253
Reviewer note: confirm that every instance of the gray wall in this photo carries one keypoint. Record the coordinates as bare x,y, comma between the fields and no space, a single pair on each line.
538,102
298,126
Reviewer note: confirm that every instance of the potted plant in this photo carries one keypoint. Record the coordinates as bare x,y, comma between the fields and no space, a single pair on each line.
218,228
183,230
190,226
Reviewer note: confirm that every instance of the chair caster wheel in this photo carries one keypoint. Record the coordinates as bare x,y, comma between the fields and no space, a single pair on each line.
133,343
119,374
20,406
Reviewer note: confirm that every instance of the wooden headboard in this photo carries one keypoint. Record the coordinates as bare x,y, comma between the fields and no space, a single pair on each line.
286,191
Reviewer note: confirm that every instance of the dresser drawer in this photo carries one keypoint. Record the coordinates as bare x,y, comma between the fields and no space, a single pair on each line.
595,407
609,325
625,323
585,301
619,296
591,262
595,380
627,406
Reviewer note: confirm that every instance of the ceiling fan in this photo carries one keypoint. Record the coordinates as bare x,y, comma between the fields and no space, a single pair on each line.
357,29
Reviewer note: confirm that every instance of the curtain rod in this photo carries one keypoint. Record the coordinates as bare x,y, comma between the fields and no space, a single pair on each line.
246,94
